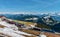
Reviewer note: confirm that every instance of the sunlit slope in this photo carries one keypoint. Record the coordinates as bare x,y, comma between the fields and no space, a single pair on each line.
25,23
31,23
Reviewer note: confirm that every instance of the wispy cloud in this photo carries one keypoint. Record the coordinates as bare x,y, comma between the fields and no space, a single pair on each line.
27,12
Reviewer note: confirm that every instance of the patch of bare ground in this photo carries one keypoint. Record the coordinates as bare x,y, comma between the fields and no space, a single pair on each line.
37,33
30,36
1,26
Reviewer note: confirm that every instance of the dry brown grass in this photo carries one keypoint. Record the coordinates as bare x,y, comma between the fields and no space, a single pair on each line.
30,36
26,23
1,26
33,31
30,31
37,33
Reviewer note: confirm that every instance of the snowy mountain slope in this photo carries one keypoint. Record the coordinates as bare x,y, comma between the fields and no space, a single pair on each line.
11,30
8,29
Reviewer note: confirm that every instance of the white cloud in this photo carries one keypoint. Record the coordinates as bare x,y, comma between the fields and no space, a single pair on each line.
41,13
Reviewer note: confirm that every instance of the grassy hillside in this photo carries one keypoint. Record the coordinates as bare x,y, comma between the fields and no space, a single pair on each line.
26,23
31,23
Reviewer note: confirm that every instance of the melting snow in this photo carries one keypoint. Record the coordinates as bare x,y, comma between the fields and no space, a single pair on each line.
11,30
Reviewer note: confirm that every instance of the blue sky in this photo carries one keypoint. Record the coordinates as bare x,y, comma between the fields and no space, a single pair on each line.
29,6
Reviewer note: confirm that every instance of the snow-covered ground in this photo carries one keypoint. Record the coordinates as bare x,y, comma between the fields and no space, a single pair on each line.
11,30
